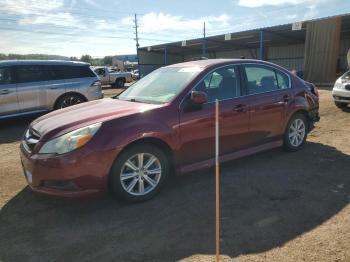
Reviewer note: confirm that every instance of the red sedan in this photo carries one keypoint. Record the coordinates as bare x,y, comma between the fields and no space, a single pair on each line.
131,143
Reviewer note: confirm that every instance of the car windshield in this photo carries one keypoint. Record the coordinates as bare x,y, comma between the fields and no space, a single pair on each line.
160,86
346,76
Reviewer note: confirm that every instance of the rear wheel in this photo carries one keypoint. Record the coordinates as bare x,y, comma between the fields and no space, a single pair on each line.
296,133
139,173
120,82
341,105
69,100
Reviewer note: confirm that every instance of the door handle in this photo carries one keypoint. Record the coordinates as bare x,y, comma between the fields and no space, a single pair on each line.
4,92
239,108
285,98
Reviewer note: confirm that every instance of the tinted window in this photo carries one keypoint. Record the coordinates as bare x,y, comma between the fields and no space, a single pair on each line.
5,76
31,73
67,72
221,84
100,71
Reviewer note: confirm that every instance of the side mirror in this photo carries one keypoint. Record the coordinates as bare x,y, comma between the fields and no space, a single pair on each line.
198,97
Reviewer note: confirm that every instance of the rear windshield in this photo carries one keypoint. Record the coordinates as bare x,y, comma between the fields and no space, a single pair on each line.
37,73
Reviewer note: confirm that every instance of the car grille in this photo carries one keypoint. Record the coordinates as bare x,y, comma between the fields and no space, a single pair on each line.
347,87
31,138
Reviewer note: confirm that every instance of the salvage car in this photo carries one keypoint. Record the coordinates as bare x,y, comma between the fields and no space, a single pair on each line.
341,91
113,78
33,86
164,124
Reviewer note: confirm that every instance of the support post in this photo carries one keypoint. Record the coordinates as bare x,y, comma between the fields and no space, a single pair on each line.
217,183
137,44
261,53
204,42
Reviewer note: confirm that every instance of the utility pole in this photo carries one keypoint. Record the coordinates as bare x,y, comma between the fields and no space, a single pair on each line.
204,42
137,43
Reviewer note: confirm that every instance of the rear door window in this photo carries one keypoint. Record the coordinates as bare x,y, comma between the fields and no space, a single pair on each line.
5,76
68,72
262,79
31,73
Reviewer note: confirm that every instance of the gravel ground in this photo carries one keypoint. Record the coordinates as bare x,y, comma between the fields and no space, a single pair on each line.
275,206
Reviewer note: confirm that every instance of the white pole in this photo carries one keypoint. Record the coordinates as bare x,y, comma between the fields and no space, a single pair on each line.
217,181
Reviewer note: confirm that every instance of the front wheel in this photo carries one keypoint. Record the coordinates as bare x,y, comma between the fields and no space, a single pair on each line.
139,173
120,82
296,133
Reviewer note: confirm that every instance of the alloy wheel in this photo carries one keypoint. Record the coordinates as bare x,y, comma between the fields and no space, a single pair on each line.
297,131
140,174
70,101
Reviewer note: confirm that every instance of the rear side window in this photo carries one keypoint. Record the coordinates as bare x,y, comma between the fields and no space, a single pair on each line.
261,79
5,76
31,73
68,72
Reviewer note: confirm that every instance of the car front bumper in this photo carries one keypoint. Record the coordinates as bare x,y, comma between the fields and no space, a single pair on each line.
75,174
341,95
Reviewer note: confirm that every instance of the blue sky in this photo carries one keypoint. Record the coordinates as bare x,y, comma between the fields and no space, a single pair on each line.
105,27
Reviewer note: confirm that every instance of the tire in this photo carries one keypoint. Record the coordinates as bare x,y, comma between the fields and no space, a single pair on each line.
130,181
341,105
295,140
119,82
69,100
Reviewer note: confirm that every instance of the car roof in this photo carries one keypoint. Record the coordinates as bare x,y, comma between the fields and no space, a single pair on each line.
207,63
41,62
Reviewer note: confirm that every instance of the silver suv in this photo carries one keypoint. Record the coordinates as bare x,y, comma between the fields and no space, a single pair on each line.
29,86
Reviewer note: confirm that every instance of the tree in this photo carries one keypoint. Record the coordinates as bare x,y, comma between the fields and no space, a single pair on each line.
107,60
86,58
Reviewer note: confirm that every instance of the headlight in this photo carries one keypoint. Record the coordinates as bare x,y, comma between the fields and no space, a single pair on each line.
70,141
338,84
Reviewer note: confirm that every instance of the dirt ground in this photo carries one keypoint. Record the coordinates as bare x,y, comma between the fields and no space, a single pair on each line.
275,206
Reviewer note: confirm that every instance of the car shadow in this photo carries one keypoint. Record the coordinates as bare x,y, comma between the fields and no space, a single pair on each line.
266,200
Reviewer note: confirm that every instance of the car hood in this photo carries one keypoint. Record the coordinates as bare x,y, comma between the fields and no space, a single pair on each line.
64,120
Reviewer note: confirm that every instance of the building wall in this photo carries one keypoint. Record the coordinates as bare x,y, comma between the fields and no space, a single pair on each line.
290,57
150,61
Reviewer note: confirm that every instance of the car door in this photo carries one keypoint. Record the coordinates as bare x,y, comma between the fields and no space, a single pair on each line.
269,93
8,92
32,82
103,75
197,126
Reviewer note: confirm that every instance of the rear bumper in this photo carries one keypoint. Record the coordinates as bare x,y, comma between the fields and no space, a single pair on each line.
313,117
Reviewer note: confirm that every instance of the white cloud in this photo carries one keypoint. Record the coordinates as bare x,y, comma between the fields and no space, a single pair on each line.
57,19
159,22
28,7
259,3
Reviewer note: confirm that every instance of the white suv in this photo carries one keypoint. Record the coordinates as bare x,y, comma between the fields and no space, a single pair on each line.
341,91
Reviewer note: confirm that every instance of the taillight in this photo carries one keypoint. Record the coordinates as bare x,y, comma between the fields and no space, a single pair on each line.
314,90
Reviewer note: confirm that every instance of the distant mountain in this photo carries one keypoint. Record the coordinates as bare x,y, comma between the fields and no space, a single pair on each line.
33,56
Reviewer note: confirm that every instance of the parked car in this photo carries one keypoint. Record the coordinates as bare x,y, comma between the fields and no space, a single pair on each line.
111,77
341,91
30,86
131,143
